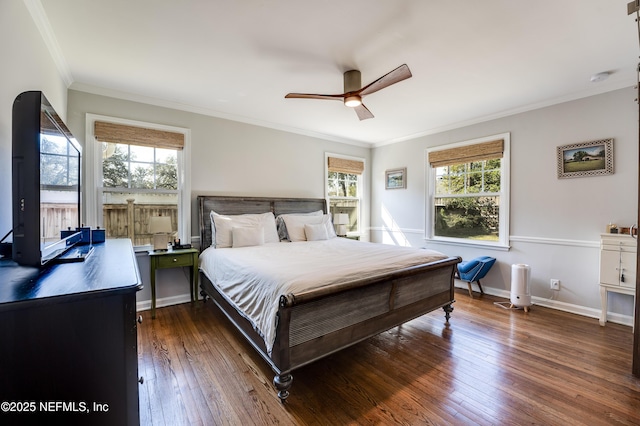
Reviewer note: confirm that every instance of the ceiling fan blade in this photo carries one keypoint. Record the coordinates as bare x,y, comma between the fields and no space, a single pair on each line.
395,76
313,96
363,112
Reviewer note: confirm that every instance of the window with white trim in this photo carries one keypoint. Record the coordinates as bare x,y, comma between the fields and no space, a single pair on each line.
344,188
468,192
140,174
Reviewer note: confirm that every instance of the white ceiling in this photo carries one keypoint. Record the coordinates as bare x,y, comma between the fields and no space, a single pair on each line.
471,60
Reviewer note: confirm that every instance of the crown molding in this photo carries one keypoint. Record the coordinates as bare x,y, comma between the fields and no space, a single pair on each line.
42,23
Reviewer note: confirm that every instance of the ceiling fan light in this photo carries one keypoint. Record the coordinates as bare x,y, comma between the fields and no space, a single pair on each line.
352,101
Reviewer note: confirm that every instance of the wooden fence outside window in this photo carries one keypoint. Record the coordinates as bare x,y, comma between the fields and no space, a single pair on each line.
120,220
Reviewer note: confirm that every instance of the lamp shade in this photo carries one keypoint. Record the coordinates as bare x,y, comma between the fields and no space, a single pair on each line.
340,219
159,224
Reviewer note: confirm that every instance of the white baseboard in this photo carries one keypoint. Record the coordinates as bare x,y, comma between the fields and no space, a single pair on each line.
561,306
145,305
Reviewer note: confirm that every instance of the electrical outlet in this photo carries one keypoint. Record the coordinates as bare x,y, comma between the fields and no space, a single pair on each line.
555,284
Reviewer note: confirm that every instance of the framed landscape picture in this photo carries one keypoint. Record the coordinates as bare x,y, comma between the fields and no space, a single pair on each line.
395,178
593,158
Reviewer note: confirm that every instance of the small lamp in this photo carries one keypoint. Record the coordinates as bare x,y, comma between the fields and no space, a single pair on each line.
160,227
340,220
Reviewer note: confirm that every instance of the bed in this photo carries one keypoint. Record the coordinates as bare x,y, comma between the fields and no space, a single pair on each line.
312,322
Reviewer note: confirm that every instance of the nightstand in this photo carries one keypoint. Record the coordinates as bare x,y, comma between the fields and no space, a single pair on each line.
174,259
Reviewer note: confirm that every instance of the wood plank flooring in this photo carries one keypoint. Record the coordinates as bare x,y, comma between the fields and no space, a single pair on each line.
490,366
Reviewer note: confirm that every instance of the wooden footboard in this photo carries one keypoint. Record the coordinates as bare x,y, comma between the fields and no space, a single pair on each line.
321,325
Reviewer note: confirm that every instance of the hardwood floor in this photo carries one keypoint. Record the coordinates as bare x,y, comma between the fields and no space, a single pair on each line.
490,366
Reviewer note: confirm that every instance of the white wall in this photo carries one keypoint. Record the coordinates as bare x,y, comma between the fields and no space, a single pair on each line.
227,158
26,65
555,223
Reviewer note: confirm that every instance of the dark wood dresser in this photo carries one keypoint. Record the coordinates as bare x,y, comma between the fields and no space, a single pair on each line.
68,340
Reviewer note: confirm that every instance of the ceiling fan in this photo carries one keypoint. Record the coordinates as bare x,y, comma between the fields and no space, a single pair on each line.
353,92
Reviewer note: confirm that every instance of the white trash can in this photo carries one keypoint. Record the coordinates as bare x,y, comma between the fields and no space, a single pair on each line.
520,293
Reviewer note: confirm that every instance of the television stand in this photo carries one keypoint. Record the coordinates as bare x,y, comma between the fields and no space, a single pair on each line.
75,254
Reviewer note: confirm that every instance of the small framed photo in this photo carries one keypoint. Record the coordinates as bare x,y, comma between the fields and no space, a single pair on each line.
395,178
593,158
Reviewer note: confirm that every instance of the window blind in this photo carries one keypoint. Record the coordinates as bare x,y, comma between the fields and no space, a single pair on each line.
466,154
132,135
343,165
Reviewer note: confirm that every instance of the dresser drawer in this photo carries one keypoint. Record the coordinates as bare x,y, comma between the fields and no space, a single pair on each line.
615,242
174,260
619,248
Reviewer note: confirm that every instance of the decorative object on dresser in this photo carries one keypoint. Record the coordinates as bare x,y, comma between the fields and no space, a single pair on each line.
314,323
617,267
174,259
593,158
69,336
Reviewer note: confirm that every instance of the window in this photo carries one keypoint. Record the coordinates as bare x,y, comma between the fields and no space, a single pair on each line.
139,174
468,192
344,188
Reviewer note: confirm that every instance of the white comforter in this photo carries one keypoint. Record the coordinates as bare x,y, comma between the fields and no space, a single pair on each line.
254,278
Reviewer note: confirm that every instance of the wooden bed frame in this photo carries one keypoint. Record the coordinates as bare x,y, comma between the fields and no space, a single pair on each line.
317,323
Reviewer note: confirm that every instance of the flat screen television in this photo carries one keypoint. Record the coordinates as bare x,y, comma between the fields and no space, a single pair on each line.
46,167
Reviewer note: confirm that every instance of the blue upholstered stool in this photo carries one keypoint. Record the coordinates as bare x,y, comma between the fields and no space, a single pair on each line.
473,270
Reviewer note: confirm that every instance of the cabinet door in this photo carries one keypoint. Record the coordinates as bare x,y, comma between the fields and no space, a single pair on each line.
77,351
609,264
628,264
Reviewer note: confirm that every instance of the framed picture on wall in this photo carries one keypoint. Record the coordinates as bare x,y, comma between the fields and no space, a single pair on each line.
593,158
395,178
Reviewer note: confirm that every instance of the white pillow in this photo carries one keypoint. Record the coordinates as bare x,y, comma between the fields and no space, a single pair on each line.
282,227
315,232
247,236
295,225
221,227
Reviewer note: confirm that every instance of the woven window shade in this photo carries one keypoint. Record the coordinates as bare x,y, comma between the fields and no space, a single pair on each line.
132,135
467,154
341,165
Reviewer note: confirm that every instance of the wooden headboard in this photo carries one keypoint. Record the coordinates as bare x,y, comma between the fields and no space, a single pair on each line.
244,205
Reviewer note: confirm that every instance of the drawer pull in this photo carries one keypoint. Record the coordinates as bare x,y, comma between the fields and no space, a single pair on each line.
175,260
141,380
139,319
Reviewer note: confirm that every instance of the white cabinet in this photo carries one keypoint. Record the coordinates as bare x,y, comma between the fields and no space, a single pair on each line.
617,267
